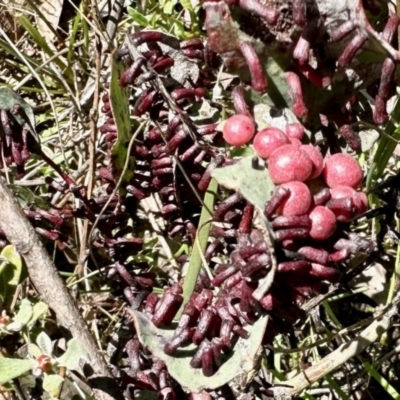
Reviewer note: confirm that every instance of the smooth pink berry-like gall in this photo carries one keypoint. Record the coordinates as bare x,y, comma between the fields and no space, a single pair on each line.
238,130
294,131
342,191
316,159
323,223
299,200
295,142
289,163
268,140
342,170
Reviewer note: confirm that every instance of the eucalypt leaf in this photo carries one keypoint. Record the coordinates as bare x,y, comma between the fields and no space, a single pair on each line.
22,318
39,311
10,273
74,353
27,315
44,343
52,384
11,368
250,178
237,366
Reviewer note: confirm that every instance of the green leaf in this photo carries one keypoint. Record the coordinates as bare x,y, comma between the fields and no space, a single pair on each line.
15,326
175,26
22,318
137,17
11,368
187,5
9,99
52,384
390,390
168,6
252,181
25,312
200,243
75,351
119,99
72,38
34,350
240,363
39,309
44,342
246,151
10,273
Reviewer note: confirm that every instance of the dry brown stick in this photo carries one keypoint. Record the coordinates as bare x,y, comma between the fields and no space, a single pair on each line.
338,357
51,288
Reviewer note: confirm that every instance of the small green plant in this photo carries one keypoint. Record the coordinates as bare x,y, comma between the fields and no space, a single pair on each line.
40,362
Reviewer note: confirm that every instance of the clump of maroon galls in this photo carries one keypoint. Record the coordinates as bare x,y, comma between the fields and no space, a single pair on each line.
313,197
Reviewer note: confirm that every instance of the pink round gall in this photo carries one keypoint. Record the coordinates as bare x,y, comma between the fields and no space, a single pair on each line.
316,159
267,140
295,142
294,131
289,163
323,223
342,170
342,191
299,200
238,130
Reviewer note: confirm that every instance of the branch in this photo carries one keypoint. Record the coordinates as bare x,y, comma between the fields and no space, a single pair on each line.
50,286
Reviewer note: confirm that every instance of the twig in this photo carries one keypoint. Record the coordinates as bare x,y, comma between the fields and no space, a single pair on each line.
315,301
50,286
340,355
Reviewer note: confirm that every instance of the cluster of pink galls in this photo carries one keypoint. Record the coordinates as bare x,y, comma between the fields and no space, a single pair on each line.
313,192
